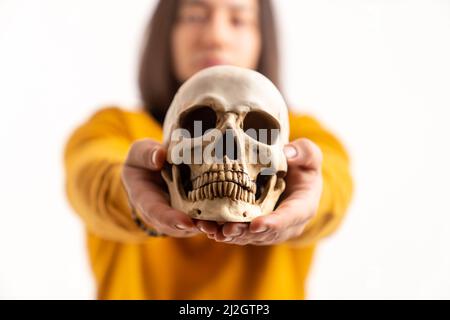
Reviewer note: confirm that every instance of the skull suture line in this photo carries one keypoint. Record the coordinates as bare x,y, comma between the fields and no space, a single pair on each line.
230,102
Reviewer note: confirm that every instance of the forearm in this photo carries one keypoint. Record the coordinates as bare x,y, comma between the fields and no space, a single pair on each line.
335,199
337,180
95,191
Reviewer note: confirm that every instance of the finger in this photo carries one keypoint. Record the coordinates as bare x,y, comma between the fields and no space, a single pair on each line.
166,216
249,237
289,213
258,226
186,235
146,153
173,232
234,229
275,238
177,227
296,231
304,153
219,236
207,227
211,236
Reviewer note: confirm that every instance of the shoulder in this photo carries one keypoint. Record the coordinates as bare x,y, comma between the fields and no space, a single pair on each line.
296,117
300,122
310,127
119,114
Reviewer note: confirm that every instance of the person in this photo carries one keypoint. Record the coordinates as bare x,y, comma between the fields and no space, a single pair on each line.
113,167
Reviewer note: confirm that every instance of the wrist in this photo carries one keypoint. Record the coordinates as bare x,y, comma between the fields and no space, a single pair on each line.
142,225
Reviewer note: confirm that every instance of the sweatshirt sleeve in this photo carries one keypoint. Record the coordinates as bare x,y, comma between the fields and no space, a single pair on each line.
337,180
93,160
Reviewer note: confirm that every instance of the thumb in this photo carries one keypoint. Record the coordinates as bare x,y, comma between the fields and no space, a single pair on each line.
157,158
304,153
146,153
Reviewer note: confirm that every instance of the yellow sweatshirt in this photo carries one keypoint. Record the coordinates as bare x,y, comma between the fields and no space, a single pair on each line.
127,264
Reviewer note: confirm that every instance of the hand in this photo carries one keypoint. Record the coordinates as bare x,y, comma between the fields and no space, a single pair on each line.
299,203
141,176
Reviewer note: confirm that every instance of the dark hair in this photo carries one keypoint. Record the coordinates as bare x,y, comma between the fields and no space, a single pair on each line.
157,81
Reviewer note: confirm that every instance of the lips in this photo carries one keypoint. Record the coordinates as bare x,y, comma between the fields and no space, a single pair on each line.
212,61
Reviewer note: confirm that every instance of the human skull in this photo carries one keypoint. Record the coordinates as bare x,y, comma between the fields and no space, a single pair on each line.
236,184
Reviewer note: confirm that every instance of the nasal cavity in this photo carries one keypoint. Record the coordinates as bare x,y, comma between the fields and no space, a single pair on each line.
227,145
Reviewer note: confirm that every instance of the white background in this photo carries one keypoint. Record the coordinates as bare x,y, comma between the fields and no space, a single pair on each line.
376,72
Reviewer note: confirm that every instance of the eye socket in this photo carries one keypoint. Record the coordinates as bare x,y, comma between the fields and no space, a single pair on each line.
205,114
261,126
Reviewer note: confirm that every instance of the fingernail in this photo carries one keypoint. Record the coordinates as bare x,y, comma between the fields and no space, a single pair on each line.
203,230
155,151
261,229
181,227
290,151
227,239
239,232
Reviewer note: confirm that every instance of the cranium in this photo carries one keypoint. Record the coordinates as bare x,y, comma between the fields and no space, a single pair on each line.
236,185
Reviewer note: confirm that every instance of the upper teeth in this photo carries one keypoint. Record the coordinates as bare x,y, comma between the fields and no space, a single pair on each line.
222,182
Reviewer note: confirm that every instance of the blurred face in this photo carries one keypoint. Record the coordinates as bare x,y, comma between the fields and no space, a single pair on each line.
213,32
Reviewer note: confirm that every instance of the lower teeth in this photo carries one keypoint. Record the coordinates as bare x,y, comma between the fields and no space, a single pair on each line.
222,189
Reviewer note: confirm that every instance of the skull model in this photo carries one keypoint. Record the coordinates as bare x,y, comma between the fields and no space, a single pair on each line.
231,104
